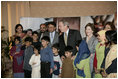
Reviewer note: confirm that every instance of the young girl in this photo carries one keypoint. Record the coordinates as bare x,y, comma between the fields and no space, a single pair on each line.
17,54
35,63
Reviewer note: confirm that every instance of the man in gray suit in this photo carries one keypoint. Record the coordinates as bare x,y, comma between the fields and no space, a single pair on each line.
52,33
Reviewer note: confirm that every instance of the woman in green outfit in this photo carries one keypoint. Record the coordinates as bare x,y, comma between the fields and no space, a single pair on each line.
81,62
99,54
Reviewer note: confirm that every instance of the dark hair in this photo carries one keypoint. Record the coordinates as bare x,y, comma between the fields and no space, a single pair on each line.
91,25
35,32
56,46
46,38
111,36
29,30
78,42
52,23
18,26
38,48
68,48
29,39
111,25
18,38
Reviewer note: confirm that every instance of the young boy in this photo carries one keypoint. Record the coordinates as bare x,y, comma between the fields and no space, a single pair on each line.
47,63
27,55
35,63
67,66
57,61
36,42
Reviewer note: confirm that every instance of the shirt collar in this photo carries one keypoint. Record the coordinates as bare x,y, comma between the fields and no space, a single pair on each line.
67,32
52,32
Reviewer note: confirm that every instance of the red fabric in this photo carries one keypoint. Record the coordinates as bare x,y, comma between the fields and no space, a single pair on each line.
16,68
95,61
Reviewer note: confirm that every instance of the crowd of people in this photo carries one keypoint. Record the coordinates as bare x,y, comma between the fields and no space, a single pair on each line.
46,53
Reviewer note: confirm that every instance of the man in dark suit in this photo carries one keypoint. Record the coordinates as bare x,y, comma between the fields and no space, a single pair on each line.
42,31
69,37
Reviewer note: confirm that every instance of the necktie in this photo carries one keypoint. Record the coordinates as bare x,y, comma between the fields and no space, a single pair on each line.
65,39
51,37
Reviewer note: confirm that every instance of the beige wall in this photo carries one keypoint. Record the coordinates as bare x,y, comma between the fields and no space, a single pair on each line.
11,12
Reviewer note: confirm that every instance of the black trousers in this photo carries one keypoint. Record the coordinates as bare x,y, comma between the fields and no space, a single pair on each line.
45,70
27,73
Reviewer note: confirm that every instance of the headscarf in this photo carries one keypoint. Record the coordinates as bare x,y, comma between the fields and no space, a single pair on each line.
83,53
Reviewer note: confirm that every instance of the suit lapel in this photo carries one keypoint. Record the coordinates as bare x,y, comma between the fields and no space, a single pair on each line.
69,36
63,38
54,37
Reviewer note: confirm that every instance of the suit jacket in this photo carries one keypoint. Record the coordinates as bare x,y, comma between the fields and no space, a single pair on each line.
55,40
44,34
73,37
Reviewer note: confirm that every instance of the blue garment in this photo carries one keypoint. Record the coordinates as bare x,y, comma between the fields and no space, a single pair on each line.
18,75
56,71
83,53
19,59
27,55
47,56
18,47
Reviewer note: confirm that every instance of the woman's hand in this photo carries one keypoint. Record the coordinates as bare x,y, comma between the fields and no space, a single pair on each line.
104,75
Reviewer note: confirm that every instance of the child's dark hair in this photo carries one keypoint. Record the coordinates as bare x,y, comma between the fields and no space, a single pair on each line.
56,46
78,42
29,39
46,38
35,32
68,48
18,38
29,30
36,47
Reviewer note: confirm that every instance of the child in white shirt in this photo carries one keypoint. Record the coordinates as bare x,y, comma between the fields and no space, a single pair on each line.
35,63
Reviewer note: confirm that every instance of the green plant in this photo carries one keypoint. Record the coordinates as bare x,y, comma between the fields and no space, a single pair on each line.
4,42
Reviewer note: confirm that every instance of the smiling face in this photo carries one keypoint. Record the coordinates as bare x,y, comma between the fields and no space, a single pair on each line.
55,51
35,37
29,33
88,31
44,43
36,51
68,54
43,28
62,27
19,29
51,28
